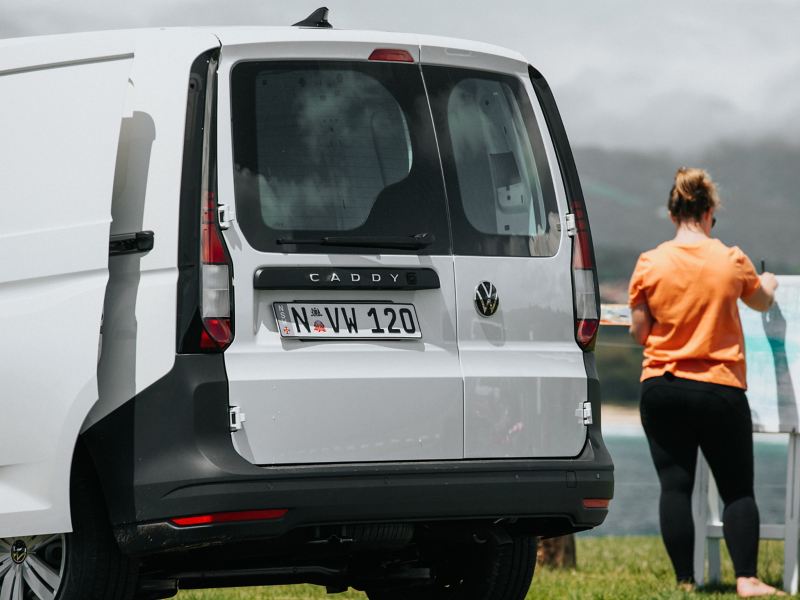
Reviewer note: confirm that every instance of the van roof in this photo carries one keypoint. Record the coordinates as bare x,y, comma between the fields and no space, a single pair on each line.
246,35
103,43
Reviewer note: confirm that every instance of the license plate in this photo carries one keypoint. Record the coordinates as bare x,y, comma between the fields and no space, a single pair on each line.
346,320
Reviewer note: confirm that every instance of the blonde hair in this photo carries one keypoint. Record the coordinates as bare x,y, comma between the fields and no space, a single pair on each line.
692,195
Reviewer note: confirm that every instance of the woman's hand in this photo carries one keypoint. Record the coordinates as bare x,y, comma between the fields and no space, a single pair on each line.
764,296
769,282
641,323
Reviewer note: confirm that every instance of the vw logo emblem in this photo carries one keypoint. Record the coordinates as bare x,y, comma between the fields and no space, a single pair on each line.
486,299
19,552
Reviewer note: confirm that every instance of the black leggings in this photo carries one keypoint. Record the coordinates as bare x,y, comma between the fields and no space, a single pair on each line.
680,415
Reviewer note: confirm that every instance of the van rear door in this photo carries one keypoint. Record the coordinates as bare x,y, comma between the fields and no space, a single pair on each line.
345,331
524,375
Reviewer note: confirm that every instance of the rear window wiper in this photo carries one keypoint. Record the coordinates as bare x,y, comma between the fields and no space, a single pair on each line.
397,242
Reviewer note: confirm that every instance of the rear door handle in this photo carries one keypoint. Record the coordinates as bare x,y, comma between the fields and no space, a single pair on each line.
130,243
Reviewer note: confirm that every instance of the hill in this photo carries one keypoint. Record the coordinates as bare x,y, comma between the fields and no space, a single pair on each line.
626,194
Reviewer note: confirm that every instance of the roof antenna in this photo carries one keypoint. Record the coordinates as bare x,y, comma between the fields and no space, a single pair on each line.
317,19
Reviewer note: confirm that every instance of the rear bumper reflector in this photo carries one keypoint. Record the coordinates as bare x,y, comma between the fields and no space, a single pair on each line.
596,502
230,517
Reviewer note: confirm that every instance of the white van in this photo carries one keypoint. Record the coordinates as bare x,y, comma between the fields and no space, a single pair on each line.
285,305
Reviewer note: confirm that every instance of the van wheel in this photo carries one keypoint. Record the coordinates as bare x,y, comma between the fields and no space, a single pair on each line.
501,568
32,566
84,565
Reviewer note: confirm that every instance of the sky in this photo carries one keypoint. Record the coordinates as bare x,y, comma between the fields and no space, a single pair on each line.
649,75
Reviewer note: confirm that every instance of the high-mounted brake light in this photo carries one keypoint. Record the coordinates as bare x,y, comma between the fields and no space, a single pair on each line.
391,55
584,278
215,301
230,517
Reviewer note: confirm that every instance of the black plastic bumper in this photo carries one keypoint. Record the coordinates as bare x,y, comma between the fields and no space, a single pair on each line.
168,453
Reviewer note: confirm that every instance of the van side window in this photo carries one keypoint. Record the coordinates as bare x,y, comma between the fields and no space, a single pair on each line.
326,148
498,178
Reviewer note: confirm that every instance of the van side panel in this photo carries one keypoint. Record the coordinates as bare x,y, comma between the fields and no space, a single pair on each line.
140,305
59,127
96,124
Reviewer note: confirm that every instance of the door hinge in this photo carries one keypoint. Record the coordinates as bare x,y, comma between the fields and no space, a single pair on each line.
236,418
584,413
572,228
226,215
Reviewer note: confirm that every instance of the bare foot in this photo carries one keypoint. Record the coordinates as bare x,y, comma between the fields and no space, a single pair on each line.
751,587
686,587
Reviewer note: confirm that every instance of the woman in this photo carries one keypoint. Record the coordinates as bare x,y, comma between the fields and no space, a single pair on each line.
683,298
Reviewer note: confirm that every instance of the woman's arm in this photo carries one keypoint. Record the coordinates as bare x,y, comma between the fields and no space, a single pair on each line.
641,323
763,297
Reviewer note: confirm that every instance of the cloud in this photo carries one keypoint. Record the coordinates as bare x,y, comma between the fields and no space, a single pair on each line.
627,73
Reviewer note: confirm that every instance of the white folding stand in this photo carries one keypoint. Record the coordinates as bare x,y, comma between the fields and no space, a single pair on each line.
708,521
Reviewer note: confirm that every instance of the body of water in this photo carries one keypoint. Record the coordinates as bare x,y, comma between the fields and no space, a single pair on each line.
634,510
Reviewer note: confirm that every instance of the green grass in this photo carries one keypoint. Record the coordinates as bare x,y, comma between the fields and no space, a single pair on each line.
618,568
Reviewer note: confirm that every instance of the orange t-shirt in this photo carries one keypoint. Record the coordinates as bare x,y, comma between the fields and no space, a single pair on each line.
691,291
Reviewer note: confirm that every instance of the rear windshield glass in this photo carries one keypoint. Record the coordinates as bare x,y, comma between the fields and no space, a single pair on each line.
498,177
335,150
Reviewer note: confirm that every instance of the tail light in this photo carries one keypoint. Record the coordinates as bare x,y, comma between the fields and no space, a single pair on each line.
584,277
205,292
215,281
586,295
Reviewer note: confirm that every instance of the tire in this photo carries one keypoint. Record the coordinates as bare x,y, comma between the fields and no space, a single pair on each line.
83,565
499,569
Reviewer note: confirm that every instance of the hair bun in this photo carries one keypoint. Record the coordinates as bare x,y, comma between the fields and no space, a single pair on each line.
692,195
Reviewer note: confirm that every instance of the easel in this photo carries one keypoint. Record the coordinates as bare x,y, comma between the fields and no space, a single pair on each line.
708,521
